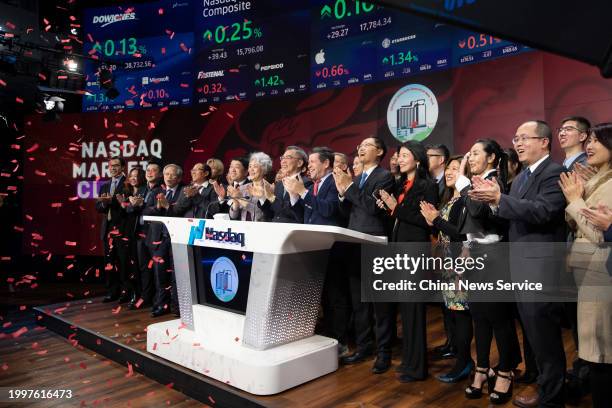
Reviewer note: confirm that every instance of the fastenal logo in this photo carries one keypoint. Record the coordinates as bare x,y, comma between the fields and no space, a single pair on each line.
412,113
210,74
227,236
224,279
108,19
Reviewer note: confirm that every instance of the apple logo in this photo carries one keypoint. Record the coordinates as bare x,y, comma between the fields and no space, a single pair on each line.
320,57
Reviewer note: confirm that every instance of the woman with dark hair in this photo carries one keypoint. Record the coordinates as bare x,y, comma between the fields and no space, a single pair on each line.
514,166
483,231
414,186
134,186
446,221
588,260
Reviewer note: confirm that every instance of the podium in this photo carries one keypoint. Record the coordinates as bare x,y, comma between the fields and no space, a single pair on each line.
249,294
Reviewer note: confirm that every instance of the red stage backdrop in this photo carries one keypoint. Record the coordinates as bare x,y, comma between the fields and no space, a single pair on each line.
64,159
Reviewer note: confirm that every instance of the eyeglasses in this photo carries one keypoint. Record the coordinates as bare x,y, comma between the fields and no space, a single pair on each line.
566,129
288,157
364,145
523,139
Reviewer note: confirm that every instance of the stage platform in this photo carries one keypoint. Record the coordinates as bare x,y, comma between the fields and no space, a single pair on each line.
120,335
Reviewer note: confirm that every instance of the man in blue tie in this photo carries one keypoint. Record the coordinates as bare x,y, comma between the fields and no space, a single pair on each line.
357,200
112,216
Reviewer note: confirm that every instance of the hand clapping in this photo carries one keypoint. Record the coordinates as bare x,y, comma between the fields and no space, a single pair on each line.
572,186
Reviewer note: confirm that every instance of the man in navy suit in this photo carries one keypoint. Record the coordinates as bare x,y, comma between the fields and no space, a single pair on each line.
357,200
117,282
158,241
535,209
195,199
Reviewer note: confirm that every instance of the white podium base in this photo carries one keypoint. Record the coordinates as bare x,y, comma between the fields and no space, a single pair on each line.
257,372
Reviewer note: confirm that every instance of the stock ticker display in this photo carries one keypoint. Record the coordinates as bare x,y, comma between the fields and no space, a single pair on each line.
212,51
148,48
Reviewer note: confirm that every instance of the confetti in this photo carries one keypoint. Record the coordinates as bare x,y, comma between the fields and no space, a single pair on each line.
18,99
130,370
70,243
19,332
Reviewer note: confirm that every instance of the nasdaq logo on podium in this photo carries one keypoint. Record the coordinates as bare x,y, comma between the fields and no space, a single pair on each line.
224,279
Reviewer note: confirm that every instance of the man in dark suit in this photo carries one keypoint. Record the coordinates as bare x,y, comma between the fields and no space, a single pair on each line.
117,282
158,242
145,198
236,176
280,206
358,201
535,210
195,200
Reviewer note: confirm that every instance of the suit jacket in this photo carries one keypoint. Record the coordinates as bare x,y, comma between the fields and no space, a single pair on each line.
363,213
114,207
157,231
478,216
322,209
582,159
410,225
196,206
536,215
222,207
281,209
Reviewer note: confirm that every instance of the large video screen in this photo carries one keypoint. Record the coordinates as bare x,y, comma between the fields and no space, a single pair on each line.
210,51
251,49
148,48
223,277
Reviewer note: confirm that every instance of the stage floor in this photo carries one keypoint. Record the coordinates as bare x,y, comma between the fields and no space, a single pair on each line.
120,335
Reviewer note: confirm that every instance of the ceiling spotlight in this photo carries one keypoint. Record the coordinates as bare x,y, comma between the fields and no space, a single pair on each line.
72,65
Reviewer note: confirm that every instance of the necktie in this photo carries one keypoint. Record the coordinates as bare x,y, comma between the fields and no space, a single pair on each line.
522,179
113,186
169,195
316,187
362,181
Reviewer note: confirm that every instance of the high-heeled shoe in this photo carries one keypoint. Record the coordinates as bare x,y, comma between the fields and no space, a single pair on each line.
497,397
472,392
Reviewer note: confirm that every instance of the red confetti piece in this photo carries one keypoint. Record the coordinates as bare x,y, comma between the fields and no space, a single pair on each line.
18,99
140,302
70,243
165,108
237,339
29,217
10,25
117,310
33,148
130,370
40,173
196,344
18,229
56,205
5,367
170,385
22,307
211,399
83,365
19,332
5,258
42,352
2,82
160,11
154,346
230,115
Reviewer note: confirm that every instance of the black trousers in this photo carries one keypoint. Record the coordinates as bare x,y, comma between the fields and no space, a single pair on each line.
363,312
462,337
146,283
530,362
542,323
495,319
162,271
414,339
601,384
115,266
449,324
336,295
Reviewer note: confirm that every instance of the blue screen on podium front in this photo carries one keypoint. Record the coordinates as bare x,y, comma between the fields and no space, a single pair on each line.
223,277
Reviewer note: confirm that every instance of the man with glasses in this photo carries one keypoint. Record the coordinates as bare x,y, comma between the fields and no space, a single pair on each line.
438,155
358,199
572,134
117,284
280,205
535,209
